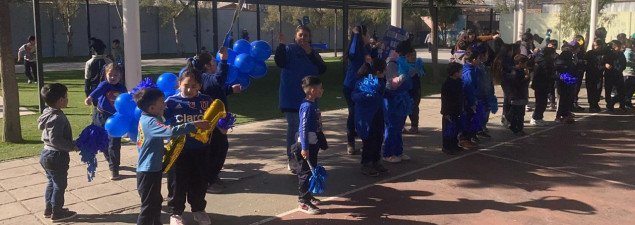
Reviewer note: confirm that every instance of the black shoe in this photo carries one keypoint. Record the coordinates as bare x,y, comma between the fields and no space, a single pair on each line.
475,140
114,175
379,168
62,215
369,170
595,109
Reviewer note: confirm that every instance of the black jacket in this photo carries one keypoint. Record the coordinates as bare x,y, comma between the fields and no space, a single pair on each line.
617,60
517,86
543,73
594,63
452,97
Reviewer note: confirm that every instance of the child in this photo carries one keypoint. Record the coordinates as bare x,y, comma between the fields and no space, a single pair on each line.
594,75
188,178
452,108
369,117
307,137
397,102
58,141
152,132
30,59
517,87
486,95
564,64
116,52
615,63
542,82
470,77
105,95
214,86
93,69
629,74
416,72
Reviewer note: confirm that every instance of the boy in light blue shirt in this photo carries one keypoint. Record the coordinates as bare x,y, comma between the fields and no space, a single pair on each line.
152,132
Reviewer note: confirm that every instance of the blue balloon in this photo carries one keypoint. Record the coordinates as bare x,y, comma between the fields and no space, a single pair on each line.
242,46
232,74
137,113
243,80
167,82
125,105
181,72
260,50
117,125
259,70
244,63
231,56
133,130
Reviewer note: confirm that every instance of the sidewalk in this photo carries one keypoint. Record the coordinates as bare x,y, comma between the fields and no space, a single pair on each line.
594,171
23,111
444,54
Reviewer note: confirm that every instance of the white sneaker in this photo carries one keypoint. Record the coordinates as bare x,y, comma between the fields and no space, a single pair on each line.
404,157
540,123
392,159
176,220
202,218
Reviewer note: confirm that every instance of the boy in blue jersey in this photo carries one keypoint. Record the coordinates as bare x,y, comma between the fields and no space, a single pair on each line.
152,132
189,176
310,120
105,94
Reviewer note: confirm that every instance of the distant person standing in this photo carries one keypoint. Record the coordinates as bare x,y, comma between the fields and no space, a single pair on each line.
429,42
30,59
116,51
245,35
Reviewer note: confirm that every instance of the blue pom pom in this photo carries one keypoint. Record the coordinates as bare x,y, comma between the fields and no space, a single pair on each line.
317,181
93,139
568,79
227,122
145,83
369,85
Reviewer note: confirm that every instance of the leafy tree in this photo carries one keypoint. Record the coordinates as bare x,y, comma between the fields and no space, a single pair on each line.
574,16
169,11
11,130
507,6
67,10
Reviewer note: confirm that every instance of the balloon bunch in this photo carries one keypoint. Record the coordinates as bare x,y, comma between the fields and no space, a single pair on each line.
126,119
246,60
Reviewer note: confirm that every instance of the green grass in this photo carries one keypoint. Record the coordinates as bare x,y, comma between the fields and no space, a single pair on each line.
258,102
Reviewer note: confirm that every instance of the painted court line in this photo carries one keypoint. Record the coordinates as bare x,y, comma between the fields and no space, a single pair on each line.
411,172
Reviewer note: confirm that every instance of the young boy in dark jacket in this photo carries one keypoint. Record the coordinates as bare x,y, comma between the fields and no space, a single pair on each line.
615,63
542,83
517,86
564,64
452,108
57,136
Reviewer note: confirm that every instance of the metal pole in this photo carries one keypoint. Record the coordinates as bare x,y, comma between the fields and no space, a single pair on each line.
593,23
344,32
395,12
515,25
88,24
215,24
335,35
491,21
197,27
258,21
132,38
434,38
522,7
38,51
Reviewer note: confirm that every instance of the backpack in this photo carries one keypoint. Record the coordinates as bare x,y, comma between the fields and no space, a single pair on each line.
96,70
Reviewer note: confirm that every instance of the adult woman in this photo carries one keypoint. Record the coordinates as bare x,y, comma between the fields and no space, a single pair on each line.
357,53
296,60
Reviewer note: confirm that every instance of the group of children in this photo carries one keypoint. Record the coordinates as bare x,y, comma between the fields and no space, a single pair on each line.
378,116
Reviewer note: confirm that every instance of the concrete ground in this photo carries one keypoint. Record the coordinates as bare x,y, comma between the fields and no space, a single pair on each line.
23,111
577,173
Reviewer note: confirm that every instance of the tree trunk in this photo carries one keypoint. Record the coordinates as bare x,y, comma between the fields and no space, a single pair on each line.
177,37
11,131
69,38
